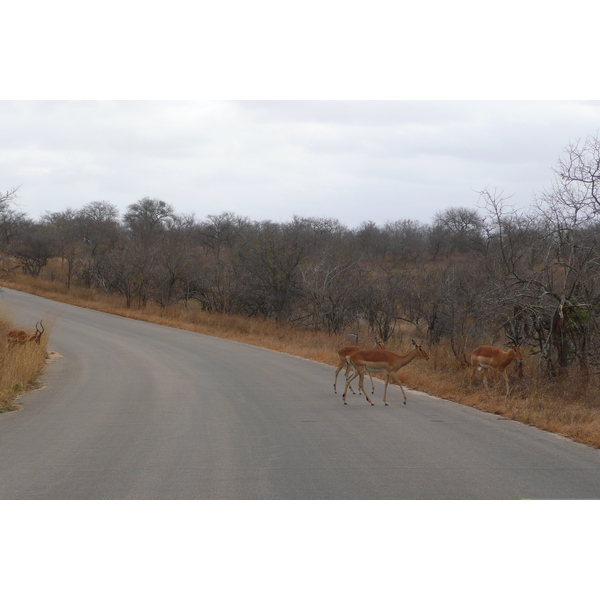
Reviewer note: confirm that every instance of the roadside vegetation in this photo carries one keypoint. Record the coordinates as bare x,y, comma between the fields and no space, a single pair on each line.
20,366
309,286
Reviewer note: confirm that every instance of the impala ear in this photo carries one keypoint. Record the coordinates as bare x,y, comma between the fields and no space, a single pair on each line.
414,343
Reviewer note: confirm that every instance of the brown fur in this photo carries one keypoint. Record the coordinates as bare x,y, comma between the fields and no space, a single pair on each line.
490,358
343,354
20,337
381,361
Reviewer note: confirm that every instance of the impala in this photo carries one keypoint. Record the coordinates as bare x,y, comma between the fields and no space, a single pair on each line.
486,358
343,354
381,361
18,336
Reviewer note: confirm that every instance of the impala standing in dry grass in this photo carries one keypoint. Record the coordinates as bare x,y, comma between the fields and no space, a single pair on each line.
343,354
381,361
20,337
489,358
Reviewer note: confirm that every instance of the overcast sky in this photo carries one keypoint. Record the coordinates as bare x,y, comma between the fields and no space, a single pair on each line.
351,160
378,114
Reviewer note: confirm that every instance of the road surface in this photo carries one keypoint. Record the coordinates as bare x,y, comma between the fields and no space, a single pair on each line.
139,411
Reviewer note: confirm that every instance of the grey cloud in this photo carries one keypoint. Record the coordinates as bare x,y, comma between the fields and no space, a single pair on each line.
271,160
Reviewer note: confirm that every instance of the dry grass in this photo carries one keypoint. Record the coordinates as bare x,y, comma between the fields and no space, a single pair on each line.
567,406
20,367
564,406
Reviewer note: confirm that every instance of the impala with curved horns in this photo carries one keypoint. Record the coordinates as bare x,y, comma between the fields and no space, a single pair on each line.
343,354
20,337
381,361
489,358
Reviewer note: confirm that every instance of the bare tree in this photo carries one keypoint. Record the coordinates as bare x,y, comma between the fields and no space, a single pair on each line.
267,269
147,218
579,171
11,221
66,228
406,239
33,247
543,268
8,197
459,230
330,285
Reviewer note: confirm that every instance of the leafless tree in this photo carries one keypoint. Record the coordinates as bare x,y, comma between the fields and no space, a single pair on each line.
579,171
32,247
459,230
66,228
329,289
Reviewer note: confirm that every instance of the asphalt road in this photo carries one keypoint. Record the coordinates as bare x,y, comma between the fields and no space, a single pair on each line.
139,411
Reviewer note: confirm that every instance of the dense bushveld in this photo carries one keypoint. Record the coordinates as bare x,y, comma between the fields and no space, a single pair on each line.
20,366
494,275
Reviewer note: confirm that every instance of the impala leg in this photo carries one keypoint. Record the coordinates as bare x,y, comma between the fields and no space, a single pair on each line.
372,384
389,375
350,369
495,374
506,380
361,382
354,376
485,381
335,379
473,369
340,367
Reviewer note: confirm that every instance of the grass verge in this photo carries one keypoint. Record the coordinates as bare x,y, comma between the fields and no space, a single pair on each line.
20,367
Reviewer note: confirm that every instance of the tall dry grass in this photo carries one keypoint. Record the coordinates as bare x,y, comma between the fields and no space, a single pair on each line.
568,406
20,366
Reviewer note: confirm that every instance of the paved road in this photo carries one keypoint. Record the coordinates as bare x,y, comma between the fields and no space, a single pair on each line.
140,411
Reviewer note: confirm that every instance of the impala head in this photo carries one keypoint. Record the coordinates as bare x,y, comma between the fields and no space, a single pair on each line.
420,351
379,342
515,347
38,332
